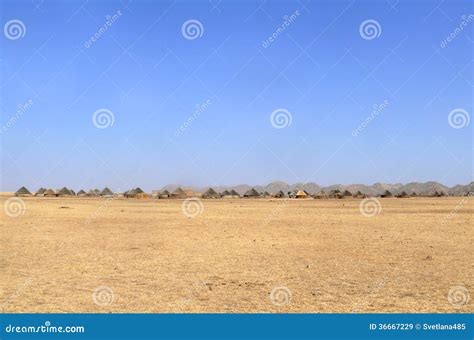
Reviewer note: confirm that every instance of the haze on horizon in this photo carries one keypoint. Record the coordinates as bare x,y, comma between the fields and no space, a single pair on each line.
197,110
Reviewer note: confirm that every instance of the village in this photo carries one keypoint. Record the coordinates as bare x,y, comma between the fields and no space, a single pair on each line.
210,193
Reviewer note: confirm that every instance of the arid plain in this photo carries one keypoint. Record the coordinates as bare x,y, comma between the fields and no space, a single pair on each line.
237,255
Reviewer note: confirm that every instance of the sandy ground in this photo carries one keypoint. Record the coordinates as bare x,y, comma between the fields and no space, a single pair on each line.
119,255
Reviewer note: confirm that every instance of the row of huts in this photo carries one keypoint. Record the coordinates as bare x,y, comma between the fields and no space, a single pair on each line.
210,193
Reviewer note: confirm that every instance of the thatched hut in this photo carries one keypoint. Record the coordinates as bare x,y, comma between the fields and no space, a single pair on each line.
279,194
301,194
23,192
178,193
252,193
347,193
359,194
106,192
234,194
164,194
92,193
403,194
40,192
210,193
64,192
50,193
81,193
321,195
386,194
336,193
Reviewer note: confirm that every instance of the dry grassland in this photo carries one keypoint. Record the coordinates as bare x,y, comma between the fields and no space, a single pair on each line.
152,258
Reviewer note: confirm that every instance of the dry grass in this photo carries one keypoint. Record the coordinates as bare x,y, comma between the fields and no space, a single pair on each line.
229,258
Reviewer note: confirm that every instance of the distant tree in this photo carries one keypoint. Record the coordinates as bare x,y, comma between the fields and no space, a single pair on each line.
387,194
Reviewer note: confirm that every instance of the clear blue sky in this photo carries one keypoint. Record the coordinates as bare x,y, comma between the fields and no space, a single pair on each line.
319,68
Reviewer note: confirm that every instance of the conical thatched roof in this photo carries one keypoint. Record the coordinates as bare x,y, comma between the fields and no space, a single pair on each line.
179,191
49,192
387,194
165,192
234,193
347,193
81,192
131,192
252,193
279,194
225,193
92,193
266,194
139,191
321,194
210,193
64,191
40,191
301,194
106,192
22,191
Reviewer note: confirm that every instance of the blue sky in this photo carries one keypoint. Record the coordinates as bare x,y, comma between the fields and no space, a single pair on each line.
319,69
